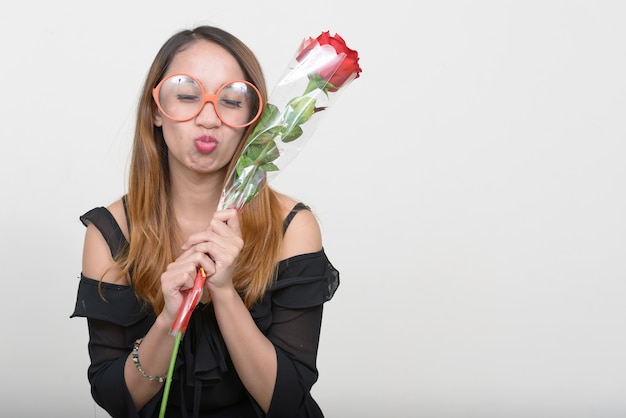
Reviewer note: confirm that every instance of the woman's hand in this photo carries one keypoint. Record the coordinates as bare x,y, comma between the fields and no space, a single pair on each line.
222,242
180,277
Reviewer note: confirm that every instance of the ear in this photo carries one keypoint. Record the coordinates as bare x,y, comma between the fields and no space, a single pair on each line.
157,120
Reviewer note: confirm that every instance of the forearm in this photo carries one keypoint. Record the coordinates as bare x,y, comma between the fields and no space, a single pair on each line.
154,355
253,355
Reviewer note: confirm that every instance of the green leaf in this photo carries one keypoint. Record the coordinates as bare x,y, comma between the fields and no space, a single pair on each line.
270,117
253,151
293,134
269,167
270,152
298,111
242,163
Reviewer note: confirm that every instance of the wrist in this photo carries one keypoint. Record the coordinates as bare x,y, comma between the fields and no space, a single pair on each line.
137,363
224,294
163,322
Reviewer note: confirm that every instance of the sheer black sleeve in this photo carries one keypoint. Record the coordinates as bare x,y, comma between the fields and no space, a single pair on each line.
304,284
115,320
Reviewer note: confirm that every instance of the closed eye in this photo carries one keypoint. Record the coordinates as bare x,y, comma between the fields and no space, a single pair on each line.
187,97
232,103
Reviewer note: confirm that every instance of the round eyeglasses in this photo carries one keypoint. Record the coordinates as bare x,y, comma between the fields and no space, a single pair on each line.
181,97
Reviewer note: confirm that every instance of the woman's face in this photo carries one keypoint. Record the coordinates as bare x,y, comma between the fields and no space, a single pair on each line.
203,144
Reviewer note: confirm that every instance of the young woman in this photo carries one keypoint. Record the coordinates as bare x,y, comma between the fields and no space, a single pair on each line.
251,344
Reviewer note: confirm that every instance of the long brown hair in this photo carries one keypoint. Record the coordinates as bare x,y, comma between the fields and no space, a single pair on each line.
152,225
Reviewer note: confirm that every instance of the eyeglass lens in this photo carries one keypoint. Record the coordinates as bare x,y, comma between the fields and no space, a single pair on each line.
181,98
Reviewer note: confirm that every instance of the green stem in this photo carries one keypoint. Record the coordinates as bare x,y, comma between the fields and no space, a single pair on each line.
170,371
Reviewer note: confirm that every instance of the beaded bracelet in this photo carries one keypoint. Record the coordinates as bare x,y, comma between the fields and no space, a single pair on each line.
159,379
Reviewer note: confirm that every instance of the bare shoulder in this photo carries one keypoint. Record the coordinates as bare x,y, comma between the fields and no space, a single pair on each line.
98,263
303,234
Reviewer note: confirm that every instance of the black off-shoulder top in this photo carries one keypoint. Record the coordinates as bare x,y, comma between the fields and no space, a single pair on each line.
204,382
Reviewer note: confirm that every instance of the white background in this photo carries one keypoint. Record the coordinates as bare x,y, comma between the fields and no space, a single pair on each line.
470,187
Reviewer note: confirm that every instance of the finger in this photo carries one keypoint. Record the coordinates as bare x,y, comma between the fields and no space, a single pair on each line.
181,274
221,223
208,265
224,230
196,238
228,216
220,234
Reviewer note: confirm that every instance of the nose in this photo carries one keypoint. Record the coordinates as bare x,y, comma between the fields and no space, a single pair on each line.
207,116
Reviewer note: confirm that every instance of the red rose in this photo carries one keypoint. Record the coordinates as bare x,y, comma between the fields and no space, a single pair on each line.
334,74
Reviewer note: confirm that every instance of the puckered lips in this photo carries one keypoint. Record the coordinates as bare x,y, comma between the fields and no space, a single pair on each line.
206,144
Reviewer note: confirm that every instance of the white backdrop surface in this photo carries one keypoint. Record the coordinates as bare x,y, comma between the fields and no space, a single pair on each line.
470,188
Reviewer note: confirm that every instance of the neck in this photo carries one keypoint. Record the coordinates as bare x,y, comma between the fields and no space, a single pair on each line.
194,199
